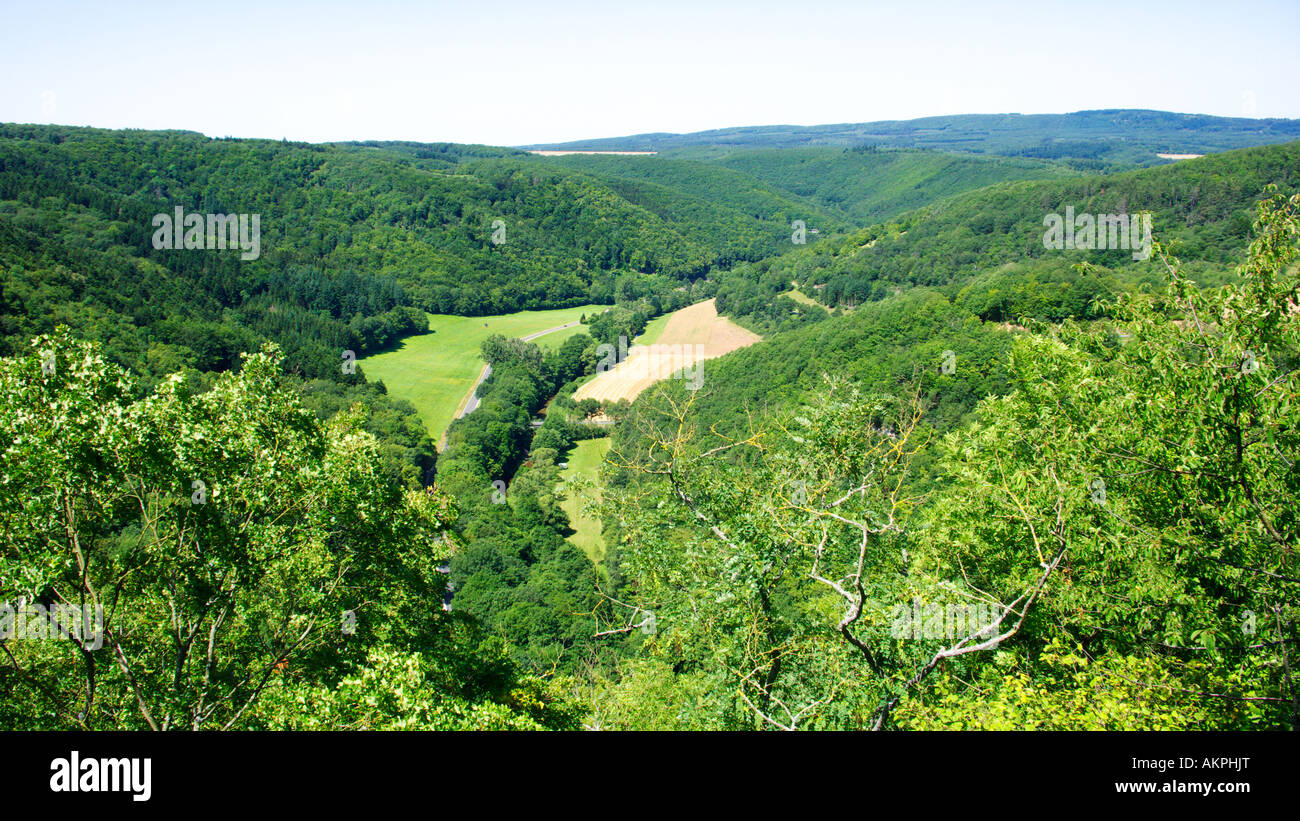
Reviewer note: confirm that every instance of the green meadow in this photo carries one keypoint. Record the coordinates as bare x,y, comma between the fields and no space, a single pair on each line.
435,371
800,296
585,460
653,330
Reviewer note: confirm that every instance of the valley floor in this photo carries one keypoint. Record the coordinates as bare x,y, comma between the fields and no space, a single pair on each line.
436,371
585,460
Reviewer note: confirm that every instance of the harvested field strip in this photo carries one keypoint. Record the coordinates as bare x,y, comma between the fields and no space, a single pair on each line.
691,335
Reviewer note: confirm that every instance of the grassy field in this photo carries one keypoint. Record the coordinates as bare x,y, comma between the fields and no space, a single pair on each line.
800,296
436,370
585,460
653,330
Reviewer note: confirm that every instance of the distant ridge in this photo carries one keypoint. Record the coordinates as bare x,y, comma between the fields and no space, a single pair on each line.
1109,135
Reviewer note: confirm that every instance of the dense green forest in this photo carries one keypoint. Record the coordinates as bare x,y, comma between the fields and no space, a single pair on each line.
964,481
421,231
987,245
709,182
858,186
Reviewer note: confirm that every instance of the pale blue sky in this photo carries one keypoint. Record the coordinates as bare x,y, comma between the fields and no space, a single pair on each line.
510,73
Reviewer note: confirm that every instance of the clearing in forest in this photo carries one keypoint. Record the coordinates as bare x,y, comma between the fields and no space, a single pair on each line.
436,371
584,460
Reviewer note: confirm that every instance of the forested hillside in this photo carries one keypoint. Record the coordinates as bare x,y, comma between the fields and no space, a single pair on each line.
453,233
872,185
858,186
709,182
991,239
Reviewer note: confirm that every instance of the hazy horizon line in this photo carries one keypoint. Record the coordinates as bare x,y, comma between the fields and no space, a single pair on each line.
642,134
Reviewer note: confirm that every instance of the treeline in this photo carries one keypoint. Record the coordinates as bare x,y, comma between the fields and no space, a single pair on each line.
1122,137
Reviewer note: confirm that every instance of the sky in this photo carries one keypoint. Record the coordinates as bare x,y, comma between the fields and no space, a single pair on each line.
514,73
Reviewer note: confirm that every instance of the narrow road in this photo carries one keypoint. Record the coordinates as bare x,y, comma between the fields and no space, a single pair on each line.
531,337
470,403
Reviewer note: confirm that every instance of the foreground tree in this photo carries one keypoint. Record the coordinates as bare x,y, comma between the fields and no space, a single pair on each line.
1158,455
225,545
761,562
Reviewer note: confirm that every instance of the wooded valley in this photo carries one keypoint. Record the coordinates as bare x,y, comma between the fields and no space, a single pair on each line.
962,479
